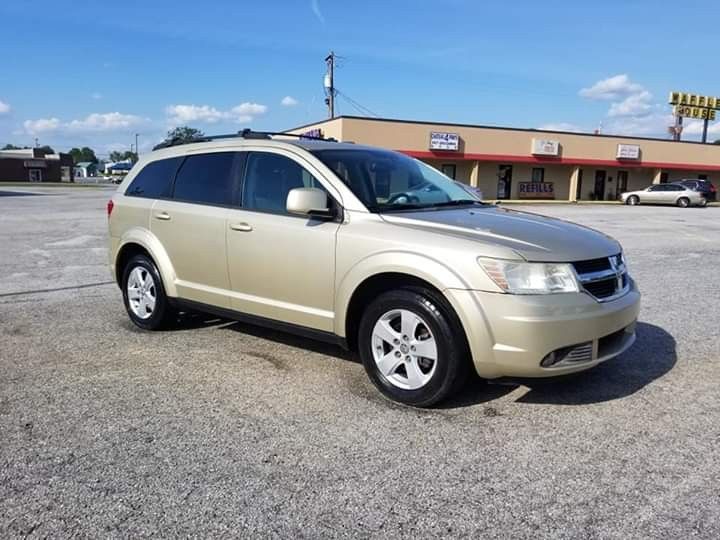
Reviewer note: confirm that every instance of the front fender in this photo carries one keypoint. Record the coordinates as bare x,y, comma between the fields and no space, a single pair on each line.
433,271
153,246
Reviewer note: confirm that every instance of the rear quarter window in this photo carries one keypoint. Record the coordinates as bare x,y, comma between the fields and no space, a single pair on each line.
154,180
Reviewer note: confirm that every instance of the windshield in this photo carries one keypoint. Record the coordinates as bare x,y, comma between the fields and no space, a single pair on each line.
388,181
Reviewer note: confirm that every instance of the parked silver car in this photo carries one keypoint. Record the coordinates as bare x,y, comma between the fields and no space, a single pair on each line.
676,194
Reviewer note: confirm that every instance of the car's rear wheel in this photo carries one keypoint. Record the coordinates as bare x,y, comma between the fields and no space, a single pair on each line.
633,200
683,202
144,295
412,347
703,203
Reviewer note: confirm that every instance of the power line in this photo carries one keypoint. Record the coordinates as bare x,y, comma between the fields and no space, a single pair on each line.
357,106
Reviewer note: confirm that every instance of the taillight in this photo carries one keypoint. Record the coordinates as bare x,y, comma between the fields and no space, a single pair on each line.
110,206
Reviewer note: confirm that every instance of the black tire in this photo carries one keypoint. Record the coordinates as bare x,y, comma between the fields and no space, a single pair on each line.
683,202
163,315
633,200
453,358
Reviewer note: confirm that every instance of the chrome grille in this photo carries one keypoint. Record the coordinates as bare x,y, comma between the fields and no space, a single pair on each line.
604,279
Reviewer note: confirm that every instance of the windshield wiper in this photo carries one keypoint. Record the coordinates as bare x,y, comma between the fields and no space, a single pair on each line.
458,202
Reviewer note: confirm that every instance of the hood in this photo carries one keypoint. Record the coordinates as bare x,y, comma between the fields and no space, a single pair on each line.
532,236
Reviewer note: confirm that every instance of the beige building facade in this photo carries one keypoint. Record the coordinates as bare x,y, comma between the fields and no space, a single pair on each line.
510,163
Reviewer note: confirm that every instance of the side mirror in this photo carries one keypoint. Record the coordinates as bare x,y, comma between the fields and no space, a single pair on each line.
311,202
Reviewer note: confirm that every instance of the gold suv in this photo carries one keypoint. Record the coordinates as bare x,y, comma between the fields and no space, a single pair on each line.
369,249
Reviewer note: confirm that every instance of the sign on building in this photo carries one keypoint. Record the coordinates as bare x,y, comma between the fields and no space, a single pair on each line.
440,140
545,147
536,190
628,151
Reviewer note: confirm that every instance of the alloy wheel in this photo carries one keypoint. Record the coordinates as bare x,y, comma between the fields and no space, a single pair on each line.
404,349
142,293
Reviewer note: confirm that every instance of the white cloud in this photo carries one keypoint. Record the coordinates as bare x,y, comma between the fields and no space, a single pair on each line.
96,95
184,114
635,105
246,112
4,107
105,122
315,6
289,101
560,126
93,123
612,88
695,127
42,125
655,124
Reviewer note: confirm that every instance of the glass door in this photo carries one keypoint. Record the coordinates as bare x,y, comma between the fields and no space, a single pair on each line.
504,185
599,191
622,181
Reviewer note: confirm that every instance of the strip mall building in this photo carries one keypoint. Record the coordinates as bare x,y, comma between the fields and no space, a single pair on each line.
509,163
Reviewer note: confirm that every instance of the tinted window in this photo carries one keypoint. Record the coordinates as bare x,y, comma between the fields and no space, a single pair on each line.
387,181
155,179
206,179
269,178
677,188
658,187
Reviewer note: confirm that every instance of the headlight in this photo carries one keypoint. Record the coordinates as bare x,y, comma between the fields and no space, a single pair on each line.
530,278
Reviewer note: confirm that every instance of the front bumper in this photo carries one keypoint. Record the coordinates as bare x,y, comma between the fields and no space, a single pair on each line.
510,335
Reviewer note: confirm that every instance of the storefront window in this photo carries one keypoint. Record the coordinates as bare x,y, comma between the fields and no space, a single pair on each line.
538,175
449,170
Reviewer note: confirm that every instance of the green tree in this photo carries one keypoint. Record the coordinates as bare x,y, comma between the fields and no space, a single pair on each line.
45,149
115,155
717,142
184,134
13,147
83,154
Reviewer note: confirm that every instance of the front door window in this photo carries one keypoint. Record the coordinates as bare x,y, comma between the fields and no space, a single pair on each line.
622,181
35,175
599,191
504,185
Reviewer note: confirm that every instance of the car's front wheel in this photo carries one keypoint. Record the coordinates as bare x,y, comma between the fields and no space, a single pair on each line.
633,200
683,202
412,347
144,295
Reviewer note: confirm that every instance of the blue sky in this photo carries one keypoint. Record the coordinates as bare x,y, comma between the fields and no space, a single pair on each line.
94,73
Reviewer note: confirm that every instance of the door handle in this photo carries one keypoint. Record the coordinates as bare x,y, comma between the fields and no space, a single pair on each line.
242,227
164,216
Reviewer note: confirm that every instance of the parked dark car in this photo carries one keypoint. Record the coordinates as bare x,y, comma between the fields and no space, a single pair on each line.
703,186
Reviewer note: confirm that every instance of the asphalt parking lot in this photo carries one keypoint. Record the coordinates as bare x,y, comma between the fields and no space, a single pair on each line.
221,428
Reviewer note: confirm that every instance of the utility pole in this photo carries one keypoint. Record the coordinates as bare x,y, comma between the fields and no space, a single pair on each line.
36,142
705,128
137,148
330,84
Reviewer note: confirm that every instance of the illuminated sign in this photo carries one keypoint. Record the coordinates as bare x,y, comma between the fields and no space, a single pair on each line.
694,105
694,100
312,134
544,147
444,141
628,151
536,190
701,113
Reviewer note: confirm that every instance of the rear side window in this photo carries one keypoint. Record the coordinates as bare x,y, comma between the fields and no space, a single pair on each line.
155,179
207,179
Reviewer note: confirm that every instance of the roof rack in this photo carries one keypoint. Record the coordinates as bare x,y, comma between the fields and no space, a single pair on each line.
244,134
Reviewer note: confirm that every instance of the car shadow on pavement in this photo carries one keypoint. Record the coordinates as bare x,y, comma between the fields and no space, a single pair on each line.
292,340
651,357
